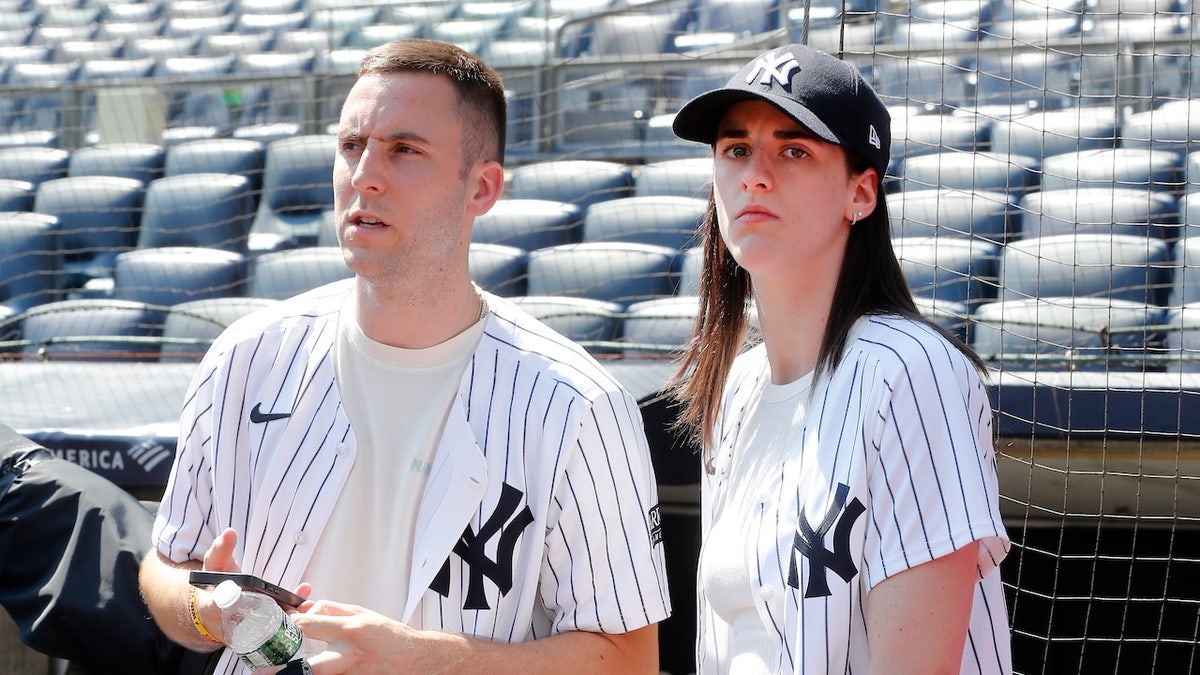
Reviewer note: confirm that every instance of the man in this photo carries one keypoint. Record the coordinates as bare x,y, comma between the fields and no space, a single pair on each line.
407,443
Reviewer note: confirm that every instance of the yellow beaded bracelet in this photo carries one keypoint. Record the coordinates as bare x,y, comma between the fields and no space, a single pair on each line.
195,609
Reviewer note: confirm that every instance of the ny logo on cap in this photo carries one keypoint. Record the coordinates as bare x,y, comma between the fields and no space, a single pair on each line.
770,67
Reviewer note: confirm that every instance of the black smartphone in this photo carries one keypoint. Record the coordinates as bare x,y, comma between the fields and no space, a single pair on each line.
208,580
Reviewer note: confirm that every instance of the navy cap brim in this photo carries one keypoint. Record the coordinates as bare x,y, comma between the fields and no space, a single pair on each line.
699,118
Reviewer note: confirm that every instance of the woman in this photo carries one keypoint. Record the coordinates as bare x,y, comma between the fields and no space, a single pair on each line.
851,514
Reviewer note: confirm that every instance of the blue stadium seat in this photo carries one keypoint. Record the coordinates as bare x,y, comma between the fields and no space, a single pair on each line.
140,161
39,116
120,330
1183,339
131,11
659,327
578,182
98,218
614,271
932,83
199,8
951,269
1185,288
34,165
190,327
162,46
129,30
271,6
276,107
16,195
594,324
469,33
282,274
297,191
529,224
923,134
990,216
683,177
668,221
275,23
199,26
30,258
1172,126
211,210
988,171
197,107
237,42
1114,167
721,23
375,35
315,40
920,33
86,50
1033,29
1068,333
1054,132
174,274
1113,210
1118,266
1008,83
241,156
499,269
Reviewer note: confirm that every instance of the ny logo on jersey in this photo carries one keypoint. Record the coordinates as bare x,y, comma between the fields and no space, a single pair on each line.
810,543
471,547
772,67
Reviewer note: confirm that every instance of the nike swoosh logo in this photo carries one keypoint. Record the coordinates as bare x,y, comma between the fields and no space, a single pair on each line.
258,416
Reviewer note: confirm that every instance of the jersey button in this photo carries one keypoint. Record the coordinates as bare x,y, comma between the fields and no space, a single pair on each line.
766,592
301,538
342,449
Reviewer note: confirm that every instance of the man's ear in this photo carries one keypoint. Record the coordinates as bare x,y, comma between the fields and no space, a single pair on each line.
487,178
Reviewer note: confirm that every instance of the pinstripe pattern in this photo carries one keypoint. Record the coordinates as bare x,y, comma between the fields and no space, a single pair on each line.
534,412
904,427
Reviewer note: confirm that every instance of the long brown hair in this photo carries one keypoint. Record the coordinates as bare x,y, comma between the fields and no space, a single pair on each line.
870,281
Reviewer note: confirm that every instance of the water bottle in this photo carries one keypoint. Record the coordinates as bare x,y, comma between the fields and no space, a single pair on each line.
258,629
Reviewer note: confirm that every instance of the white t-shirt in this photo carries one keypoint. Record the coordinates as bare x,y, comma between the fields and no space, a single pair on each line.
397,400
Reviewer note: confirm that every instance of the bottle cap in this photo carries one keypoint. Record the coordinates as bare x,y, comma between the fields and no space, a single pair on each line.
226,593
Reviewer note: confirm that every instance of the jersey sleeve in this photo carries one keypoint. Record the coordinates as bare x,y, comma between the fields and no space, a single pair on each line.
604,570
934,485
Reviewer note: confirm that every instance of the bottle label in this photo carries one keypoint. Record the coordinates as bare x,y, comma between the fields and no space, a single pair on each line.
279,648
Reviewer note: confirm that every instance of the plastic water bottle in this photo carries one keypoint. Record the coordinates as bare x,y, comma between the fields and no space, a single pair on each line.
258,629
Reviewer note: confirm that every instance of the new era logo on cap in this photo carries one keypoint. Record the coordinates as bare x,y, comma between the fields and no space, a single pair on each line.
873,138
772,67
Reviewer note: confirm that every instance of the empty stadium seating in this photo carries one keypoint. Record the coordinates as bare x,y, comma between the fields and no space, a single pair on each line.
31,260
139,161
297,191
277,275
170,275
620,272
98,217
498,268
94,329
596,324
212,210
529,224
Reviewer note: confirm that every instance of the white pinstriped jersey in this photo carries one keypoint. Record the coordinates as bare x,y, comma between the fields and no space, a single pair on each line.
894,467
540,515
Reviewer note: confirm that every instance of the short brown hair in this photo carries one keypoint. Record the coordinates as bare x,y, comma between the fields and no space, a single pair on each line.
479,89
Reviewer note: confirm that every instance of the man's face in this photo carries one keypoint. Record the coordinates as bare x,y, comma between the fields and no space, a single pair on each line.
402,199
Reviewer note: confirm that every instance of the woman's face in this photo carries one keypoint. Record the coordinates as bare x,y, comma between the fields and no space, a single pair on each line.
785,199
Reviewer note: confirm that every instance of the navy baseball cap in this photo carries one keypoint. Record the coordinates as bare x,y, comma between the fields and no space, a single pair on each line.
821,92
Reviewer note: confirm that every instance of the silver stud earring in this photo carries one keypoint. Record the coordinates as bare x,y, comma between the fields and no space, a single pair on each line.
857,215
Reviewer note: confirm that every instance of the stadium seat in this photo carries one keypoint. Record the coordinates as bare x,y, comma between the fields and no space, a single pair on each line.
683,177
237,42
30,258
343,21
659,327
274,23
271,6
578,182
1118,266
499,269
211,210
129,30
317,41
375,35
1033,30
618,272
1114,210
1185,287
951,269
189,9
1009,83
163,46
987,171
16,195
1182,341
594,324
86,50
191,326
1068,333
1054,132
935,84
140,161
917,33
131,11
923,134
276,107
34,165
282,274
171,275
990,216
721,23
39,116
689,264
197,106
199,26
1172,126
662,221
529,224
240,156
297,191
98,218
121,330
1114,167
469,33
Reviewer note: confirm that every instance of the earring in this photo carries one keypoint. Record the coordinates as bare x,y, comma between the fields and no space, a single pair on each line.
854,221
